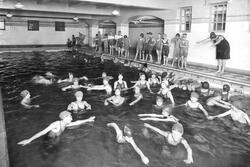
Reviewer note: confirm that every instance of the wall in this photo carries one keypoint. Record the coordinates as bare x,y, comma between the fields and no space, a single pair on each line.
237,32
16,32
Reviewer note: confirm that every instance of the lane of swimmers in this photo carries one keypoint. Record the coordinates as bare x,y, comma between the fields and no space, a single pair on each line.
149,83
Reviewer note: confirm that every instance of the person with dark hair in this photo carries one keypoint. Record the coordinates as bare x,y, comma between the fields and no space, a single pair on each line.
222,50
150,46
73,42
184,45
159,45
176,55
165,50
126,45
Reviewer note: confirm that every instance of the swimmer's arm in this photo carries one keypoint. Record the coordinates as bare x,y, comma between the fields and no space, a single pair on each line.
171,97
125,85
39,134
159,119
172,87
97,87
28,106
150,115
203,110
136,100
87,105
80,122
148,86
219,40
204,41
247,118
115,85
161,132
66,88
84,77
110,99
189,151
221,115
137,149
82,86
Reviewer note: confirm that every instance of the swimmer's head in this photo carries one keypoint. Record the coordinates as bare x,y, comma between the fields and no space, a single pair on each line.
159,101
71,76
153,75
79,95
194,97
25,93
163,85
142,76
118,92
177,131
76,81
127,130
137,89
120,76
166,111
205,85
65,116
105,81
164,74
226,88
104,74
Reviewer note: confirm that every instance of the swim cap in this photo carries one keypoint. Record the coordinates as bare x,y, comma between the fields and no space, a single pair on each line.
226,88
64,114
24,93
178,127
167,109
205,85
195,95
164,74
78,94
212,35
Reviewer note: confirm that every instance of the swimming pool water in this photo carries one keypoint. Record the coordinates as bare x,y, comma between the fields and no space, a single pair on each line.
214,143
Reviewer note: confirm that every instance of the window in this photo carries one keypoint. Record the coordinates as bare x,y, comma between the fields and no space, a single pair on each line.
185,19
218,17
2,24
33,25
59,26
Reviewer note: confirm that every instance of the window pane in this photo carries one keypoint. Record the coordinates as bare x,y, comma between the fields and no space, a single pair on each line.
33,25
219,26
185,20
2,24
59,26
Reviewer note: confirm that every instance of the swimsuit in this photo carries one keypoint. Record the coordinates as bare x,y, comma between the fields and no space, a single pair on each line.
165,48
120,85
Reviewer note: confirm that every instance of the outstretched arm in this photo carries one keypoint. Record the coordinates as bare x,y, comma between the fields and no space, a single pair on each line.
79,122
151,115
161,132
28,106
66,88
39,134
169,119
97,87
203,110
220,115
136,100
137,150
204,41
189,152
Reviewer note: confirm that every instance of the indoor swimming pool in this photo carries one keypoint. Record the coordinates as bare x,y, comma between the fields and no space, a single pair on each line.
217,143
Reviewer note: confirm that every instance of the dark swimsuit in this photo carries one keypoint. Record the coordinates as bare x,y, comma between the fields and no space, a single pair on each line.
120,85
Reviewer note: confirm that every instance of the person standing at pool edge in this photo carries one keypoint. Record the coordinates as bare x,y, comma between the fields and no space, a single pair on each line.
222,50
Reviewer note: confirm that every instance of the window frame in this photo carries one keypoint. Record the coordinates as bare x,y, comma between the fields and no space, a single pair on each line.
183,20
4,24
28,23
59,22
214,18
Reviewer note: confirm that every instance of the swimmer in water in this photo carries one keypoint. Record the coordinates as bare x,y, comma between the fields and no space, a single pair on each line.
26,101
48,79
153,80
120,83
142,83
165,91
74,86
106,86
71,78
79,104
138,96
116,100
105,76
174,138
216,100
56,128
236,114
125,136
166,116
159,104
194,104
225,94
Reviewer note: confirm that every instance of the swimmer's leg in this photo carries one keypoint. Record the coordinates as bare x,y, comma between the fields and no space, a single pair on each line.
119,133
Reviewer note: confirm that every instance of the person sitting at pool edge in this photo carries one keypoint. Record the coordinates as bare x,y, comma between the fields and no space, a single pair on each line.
26,101
125,136
235,113
56,128
116,100
138,96
74,86
194,104
216,101
174,138
166,116
106,86
79,104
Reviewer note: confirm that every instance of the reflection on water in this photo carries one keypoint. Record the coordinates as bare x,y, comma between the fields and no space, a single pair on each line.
214,143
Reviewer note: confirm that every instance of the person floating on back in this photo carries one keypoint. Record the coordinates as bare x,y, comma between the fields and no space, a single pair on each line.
26,101
56,128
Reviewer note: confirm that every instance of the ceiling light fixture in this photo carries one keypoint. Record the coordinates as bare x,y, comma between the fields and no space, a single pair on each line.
9,15
115,13
19,5
75,18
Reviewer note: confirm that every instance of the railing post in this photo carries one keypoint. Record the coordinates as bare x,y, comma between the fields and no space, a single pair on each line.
4,158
